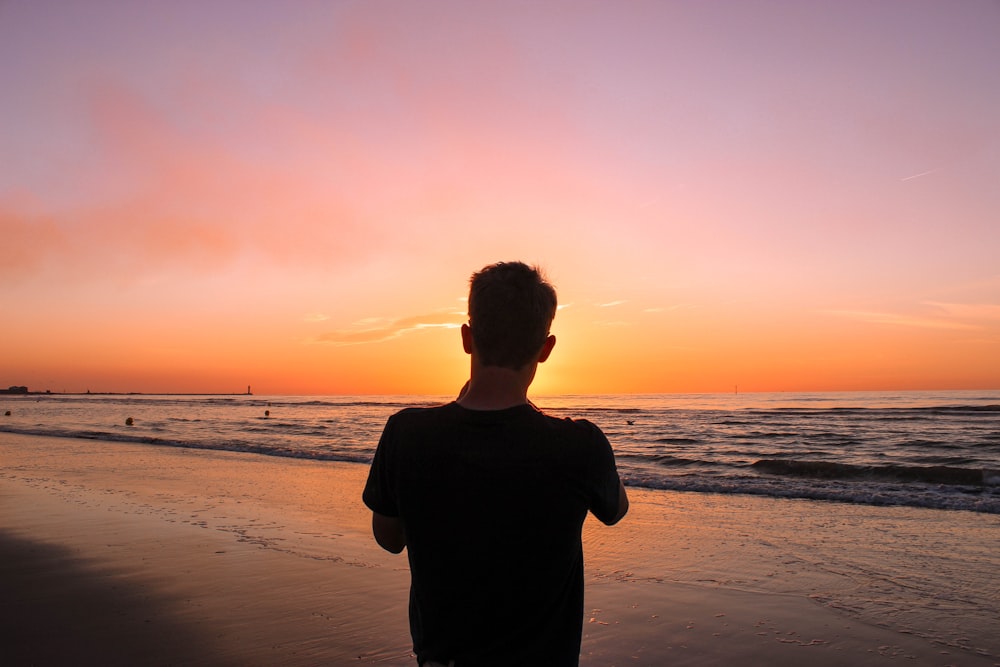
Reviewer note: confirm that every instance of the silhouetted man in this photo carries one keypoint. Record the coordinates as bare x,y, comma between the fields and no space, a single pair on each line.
488,494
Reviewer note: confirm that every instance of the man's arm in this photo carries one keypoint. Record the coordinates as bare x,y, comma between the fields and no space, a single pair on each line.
388,531
622,504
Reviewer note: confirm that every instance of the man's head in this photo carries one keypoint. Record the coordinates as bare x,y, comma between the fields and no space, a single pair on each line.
511,307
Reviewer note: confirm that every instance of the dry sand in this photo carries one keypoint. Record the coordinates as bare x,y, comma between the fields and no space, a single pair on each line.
121,554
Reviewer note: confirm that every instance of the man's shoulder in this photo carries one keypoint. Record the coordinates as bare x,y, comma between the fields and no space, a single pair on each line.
566,422
423,413
573,427
416,410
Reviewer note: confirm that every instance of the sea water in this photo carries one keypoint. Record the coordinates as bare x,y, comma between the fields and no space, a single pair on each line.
922,449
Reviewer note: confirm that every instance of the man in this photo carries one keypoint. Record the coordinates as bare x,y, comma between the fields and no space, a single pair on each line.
488,494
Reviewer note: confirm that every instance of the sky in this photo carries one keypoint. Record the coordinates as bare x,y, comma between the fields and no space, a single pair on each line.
769,196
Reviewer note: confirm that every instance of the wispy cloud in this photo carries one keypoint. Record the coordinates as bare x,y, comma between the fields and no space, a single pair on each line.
968,311
923,173
666,309
377,330
901,319
611,304
316,317
186,204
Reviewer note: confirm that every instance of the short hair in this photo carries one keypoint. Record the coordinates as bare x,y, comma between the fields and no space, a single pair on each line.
511,307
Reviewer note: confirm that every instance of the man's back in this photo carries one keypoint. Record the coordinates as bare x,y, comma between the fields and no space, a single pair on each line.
492,503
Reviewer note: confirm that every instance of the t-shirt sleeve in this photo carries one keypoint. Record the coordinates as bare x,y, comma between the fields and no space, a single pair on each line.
379,494
604,480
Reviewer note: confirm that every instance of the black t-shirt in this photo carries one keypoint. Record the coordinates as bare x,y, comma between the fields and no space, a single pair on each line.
492,504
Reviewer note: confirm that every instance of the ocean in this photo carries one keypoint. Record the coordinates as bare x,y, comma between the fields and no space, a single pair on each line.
936,450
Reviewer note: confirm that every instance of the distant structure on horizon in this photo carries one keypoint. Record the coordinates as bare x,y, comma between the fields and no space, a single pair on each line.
14,390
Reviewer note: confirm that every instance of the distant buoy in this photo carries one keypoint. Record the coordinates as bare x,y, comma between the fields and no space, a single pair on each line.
629,422
267,413
7,414
129,421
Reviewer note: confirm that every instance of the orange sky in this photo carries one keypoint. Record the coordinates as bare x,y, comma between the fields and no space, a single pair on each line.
779,196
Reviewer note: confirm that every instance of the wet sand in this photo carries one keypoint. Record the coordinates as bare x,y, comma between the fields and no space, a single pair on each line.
121,554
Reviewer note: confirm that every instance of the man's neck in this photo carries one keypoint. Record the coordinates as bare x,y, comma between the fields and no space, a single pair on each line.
494,388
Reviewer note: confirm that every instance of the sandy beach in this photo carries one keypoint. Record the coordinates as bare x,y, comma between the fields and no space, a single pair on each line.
124,554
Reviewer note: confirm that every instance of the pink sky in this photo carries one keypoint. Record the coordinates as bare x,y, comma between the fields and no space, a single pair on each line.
780,195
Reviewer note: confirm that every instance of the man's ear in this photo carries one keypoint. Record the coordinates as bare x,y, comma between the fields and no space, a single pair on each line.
550,343
467,338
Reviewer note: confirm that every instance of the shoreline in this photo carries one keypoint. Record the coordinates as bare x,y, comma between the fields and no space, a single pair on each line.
130,554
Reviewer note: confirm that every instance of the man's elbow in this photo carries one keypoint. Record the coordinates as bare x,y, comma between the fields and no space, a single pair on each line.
388,532
622,505
393,547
